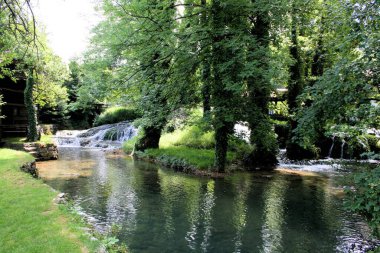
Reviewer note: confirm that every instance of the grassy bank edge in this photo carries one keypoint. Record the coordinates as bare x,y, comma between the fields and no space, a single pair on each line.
29,220
183,159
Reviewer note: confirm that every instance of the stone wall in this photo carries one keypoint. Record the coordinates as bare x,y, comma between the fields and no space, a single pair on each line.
42,151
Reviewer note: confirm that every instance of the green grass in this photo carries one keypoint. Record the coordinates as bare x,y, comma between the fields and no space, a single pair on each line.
199,158
29,221
46,139
20,140
15,140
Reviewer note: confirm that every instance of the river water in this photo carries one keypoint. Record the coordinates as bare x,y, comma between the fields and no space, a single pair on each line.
158,210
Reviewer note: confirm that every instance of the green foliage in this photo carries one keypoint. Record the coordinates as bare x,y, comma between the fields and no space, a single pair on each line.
342,95
370,155
373,142
116,114
365,197
51,73
231,55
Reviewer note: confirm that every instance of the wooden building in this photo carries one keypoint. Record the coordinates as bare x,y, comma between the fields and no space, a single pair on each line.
15,122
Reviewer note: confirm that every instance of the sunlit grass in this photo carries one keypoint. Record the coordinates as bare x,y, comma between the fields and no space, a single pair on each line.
46,138
29,221
199,158
190,136
20,140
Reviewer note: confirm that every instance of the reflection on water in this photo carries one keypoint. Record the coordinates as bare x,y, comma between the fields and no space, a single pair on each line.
162,211
274,197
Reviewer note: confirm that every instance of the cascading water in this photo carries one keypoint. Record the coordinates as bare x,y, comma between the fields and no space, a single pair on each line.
332,147
342,149
106,136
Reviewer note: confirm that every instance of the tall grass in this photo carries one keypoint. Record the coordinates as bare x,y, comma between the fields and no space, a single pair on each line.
190,136
116,114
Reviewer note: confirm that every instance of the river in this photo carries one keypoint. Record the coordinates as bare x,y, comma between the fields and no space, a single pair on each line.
158,210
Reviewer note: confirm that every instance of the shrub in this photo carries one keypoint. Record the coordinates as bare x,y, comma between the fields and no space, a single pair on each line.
116,114
365,198
373,142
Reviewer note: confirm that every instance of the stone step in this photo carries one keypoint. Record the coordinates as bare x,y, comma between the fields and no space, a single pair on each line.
27,149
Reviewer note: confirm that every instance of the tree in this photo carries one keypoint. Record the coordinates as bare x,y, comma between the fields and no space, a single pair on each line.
259,88
31,109
343,100
18,33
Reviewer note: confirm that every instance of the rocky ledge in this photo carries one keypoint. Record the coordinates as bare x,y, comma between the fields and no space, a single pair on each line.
42,151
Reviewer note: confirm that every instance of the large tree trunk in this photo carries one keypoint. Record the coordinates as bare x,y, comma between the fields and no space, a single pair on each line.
31,109
262,134
295,87
222,98
150,139
206,68
221,140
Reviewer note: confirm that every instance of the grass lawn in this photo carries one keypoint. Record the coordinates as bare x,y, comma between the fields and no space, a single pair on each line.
20,140
29,221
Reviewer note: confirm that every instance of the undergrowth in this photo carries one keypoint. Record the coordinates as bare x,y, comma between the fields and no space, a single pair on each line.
364,196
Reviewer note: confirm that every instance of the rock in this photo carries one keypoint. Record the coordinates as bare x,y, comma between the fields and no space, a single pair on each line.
61,198
30,168
42,152
84,142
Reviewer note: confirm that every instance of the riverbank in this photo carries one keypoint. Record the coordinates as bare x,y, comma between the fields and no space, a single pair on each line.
29,220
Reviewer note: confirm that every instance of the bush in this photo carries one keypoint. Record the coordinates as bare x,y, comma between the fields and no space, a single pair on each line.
373,143
116,114
365,198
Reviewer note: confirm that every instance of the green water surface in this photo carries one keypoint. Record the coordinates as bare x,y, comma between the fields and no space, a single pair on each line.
162,211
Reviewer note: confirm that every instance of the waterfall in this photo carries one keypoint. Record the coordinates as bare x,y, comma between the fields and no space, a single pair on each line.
332,146
342,149
106,136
